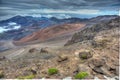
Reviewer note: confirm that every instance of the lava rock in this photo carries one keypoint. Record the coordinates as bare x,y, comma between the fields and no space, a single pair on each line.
62,58
96,63
2,58
32,50
44,50
84,54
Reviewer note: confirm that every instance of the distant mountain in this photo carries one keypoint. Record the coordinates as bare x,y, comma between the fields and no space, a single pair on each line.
50,32
18,27
26,21
104,18
69,20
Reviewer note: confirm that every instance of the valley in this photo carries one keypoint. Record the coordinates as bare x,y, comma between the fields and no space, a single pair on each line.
71,47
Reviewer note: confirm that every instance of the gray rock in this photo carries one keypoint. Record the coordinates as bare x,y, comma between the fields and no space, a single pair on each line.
84,53
96,63
62,58
98,70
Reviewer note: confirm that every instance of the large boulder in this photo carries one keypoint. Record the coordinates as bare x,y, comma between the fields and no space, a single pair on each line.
2,58
100,66
83,54
62,58
96,65
44,50
96,62
32,50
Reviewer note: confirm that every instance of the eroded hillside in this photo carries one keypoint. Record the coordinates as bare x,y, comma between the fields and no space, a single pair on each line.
93,52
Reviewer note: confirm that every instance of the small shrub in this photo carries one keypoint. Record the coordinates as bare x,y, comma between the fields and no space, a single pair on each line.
81,75
82,61
1,75
27,77
84,56
52,71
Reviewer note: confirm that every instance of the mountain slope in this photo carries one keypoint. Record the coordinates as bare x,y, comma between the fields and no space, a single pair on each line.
51,32
89,32
21,26
93,50
18,27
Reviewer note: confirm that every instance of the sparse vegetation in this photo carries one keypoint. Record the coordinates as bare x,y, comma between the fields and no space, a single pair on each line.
52,71
102,43
1,75
92,54
81,75
84,56
82,61
27,77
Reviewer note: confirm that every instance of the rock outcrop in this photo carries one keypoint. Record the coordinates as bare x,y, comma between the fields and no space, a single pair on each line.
89,32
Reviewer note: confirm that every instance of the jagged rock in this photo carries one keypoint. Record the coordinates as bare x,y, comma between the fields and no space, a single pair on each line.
98,70
113,69
96,64
76,70
84,54
33,70
113,78
62,58
44,72
2,58
99,66
44,50
32,50
107,78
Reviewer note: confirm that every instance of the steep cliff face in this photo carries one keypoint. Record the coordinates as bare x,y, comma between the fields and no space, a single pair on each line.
89,32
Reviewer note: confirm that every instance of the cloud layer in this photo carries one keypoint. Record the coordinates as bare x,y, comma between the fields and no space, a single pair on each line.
10,8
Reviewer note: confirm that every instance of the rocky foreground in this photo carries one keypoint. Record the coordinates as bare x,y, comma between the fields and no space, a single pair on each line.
92,53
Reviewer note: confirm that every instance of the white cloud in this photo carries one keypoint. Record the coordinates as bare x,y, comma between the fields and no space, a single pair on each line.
3,29
34,15
6,8
49,11
119,12
61,16
12,23
56,13
17,27
48,16
81,11
6,28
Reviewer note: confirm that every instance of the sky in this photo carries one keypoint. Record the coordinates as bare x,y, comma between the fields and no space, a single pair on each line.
58,8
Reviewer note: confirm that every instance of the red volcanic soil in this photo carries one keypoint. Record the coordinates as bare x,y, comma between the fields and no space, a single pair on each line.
50,32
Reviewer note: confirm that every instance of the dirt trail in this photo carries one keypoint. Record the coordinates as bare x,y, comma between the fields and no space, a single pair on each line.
15,54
